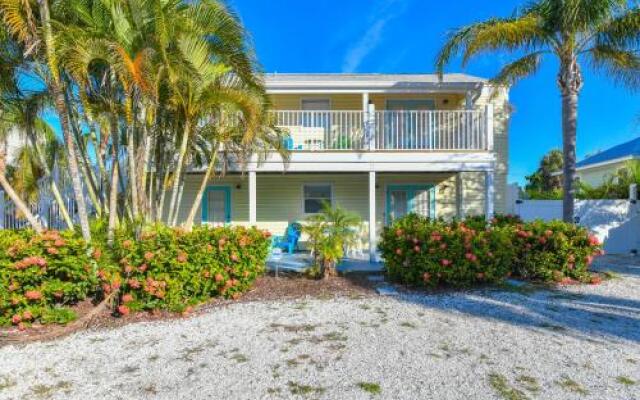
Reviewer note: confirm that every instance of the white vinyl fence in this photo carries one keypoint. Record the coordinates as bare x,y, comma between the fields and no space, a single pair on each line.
615,222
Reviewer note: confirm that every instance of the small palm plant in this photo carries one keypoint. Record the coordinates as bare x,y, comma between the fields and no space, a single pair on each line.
331,232
603,33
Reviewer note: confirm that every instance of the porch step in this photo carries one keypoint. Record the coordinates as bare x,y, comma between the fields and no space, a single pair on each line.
386,290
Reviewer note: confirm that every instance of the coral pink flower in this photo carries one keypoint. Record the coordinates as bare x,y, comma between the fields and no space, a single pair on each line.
27,316
182,257
16,319
124,310
445,262
399,251
148,256
33,295
127,298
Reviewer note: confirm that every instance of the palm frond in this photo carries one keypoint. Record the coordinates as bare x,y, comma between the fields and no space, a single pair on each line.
519,69
622,66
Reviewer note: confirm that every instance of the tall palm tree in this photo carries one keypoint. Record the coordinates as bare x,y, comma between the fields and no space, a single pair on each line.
605,34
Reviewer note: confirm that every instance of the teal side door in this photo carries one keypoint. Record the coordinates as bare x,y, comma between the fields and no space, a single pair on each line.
404,199
216,205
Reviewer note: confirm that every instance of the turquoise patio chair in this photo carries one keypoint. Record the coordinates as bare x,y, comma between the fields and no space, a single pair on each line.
289,241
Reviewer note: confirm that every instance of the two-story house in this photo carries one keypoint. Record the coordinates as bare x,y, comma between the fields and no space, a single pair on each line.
378,145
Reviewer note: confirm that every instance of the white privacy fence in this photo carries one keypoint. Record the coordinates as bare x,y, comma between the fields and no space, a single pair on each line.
615,222
46,210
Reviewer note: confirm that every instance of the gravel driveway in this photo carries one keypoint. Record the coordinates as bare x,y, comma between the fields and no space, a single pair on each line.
517,343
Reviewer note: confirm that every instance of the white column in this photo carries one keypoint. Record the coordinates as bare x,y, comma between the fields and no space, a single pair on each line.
469,100
365,101
370,124
252,198
459,196
373,237
489,193
489,126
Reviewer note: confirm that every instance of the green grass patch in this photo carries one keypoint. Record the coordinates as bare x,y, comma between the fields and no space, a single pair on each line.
370,387
502,388
570,385
299,389
625,380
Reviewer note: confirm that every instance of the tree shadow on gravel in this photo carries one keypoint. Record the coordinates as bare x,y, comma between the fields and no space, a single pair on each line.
584,316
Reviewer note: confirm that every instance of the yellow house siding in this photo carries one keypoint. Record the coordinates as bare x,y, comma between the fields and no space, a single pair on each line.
353,101
338,101
239,197
280,196
441,101
502,112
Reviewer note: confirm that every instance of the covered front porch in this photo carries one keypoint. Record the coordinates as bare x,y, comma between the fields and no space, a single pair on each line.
273,200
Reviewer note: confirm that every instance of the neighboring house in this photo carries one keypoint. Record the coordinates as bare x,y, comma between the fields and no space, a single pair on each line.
378,145
598,168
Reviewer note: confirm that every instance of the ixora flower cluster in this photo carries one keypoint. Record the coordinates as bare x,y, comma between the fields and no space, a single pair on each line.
173,269
425,252
42,276
41,273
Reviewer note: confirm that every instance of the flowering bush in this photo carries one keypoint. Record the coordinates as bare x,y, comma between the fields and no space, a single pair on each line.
554,251
420,251
425,252
174,269
42,274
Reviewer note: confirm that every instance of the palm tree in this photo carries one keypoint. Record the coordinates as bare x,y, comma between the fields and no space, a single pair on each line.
605,34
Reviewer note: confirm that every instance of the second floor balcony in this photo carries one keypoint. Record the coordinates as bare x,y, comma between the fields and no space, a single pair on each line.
362,131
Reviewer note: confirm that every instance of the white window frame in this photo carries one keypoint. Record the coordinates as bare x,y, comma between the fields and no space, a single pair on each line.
331,194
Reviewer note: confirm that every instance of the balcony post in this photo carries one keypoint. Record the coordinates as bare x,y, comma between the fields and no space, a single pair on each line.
370,125
252,198
489,126
372,217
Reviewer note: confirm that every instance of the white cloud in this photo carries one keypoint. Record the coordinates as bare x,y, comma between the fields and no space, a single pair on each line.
370,39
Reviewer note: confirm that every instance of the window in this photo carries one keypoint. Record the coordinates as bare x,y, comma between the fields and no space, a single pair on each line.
314,196
316,104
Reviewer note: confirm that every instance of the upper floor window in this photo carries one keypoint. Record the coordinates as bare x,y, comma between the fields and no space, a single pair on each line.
316,104
315,195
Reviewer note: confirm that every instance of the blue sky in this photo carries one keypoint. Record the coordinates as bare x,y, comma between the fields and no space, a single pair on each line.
403,36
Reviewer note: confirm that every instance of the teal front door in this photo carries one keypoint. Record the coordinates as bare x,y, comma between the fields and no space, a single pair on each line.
405,199
216,205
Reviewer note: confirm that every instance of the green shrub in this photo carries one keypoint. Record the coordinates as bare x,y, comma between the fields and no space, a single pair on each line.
554,251
173,269
426,252
420,251
40,275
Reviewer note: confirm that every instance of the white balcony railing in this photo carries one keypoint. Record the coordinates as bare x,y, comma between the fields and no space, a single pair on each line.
466,130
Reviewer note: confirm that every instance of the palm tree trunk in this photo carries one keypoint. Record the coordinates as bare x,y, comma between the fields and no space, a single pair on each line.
20,205
570,82
177,174
131,157
58,95
203,186
113,190
569,129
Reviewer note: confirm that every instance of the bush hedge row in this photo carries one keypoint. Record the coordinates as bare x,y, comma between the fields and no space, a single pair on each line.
420,251
41,276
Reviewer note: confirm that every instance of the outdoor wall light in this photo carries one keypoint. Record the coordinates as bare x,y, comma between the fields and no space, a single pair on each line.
238,186
445,101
